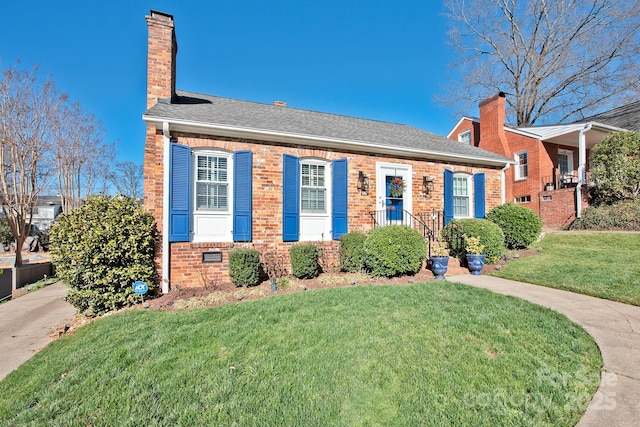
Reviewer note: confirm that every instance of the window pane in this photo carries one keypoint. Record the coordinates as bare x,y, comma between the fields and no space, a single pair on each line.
461,196
313,193
211,183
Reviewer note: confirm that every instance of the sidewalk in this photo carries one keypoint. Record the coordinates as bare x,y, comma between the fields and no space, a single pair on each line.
614,326
25,324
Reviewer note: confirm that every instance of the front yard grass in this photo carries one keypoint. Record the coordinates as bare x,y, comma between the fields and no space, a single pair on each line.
603,265
411,355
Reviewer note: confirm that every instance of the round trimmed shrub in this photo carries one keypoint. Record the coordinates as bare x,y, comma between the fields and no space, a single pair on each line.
304,261
244,267
394,250
101,249
490,235
521,226
352,251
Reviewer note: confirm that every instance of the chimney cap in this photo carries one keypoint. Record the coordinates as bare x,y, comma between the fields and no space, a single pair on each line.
491,99
280,103
157,12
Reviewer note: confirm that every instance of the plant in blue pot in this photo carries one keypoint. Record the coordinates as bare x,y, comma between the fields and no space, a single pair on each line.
439,259
475,257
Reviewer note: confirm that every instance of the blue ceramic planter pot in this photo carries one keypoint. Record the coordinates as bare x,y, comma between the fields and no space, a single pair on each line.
475,262
439,266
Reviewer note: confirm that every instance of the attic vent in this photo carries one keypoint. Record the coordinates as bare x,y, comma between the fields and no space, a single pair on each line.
279,103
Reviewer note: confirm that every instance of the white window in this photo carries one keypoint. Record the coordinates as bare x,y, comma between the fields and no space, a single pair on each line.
212,182
465,137
314,191
565,161
315,209
212,217
462,195
522,168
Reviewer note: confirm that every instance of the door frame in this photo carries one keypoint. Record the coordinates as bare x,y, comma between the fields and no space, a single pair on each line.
394,169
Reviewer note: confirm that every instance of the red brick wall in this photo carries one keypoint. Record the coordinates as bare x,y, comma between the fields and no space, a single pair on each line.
187,268
558,208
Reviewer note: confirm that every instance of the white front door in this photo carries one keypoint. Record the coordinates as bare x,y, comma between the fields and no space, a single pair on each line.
389,198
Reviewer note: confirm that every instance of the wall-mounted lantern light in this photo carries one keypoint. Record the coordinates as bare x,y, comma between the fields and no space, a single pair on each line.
427,185
363,183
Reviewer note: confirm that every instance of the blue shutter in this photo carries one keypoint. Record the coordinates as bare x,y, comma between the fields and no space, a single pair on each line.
448,196
242,195
290,198
479,197
339,198
179,193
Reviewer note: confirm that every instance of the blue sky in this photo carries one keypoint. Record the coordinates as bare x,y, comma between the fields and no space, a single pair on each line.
379,60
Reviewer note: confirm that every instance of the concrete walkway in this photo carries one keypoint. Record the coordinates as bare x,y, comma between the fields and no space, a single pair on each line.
26,322
614,326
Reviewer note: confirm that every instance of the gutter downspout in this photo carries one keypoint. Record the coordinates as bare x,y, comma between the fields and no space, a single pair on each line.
166,149
503,184
582,170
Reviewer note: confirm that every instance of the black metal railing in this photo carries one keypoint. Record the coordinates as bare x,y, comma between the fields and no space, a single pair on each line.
426,223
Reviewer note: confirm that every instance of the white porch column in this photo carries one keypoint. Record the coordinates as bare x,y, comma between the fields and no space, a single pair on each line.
582,168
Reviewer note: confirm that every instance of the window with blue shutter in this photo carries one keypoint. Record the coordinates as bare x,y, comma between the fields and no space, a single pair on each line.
448,196
479,195
339,200
290,198
179,193
242,196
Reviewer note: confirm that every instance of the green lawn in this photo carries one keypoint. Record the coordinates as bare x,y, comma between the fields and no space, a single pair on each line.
604,265
413,355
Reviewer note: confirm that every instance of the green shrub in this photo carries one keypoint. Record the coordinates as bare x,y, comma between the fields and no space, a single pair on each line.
244,267
394,250
101,249
615,168
619,216
304,261
352,251
521,226
6,235
490,235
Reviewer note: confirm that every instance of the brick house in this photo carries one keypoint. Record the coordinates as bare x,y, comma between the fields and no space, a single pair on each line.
551,173
223,173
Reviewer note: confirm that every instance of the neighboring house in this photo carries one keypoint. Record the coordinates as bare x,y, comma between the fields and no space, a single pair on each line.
551,174
625,117
222,174
46,210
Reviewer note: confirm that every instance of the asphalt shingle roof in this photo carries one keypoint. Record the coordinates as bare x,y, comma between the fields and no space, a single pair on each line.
625,117
211,110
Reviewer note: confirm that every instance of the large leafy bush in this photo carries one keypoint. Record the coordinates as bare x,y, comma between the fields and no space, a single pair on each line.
352,251
394,250
618,216
521,226
615,168
490,235
100,249
244,267
304,261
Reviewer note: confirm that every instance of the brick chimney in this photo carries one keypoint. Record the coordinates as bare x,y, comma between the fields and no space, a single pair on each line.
492,120
161,58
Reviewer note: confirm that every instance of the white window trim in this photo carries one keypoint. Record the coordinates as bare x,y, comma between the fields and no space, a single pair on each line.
516,157
219,220
316,226
464,135
470,195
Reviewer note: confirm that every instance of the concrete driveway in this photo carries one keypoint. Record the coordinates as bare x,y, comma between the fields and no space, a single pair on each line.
614,326
26,323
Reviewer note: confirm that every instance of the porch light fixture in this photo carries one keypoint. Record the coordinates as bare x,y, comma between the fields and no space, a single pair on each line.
363,183
427,185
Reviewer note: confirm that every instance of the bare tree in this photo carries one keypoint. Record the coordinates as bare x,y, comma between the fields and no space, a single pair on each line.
28,110
81,156
128,179
558,59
